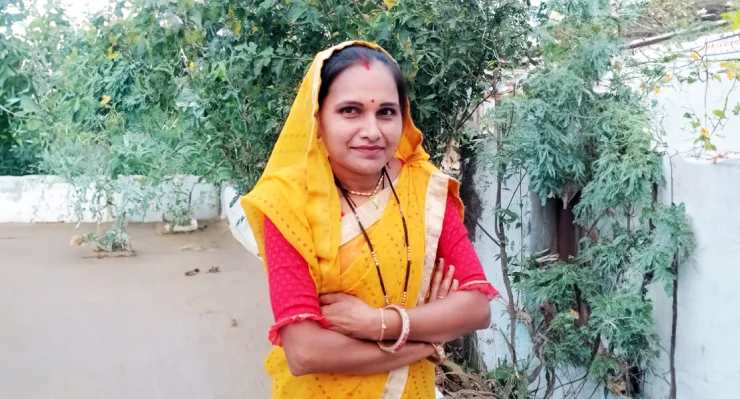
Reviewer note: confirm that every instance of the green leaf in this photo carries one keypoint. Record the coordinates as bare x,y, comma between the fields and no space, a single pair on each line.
142,47
719,113
28,105
197,18
296,11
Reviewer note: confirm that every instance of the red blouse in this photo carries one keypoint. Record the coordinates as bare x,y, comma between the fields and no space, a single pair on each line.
293,295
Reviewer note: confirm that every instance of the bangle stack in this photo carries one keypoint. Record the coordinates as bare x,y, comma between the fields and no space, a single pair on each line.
405,329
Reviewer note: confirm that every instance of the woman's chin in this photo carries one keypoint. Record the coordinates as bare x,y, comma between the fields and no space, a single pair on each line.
367,166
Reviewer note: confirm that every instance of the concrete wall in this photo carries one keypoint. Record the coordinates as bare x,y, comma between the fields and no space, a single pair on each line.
50,199
707,349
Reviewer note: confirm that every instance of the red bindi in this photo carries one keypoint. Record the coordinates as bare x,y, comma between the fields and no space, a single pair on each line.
365,62
372,100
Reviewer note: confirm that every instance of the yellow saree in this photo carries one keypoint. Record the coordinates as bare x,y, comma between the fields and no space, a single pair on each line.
298,194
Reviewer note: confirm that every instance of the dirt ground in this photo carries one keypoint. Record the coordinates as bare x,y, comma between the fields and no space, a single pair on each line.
131,328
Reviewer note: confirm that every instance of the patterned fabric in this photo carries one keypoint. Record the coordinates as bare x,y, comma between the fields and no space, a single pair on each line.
297,194
293,294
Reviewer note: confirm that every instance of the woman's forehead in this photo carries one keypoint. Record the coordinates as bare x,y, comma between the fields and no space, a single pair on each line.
373,80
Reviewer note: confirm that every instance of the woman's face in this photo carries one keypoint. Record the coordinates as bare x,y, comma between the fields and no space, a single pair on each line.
360,121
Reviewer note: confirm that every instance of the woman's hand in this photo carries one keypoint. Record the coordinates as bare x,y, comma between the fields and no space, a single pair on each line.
442,284
351,316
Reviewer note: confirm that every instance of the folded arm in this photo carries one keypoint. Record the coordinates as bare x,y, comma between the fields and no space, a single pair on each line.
443,321
467,309
300,329
312,349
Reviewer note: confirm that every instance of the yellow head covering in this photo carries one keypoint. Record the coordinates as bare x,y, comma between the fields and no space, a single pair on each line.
297,191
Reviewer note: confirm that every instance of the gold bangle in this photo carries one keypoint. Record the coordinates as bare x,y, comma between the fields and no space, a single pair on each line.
439,355
405,331
382,325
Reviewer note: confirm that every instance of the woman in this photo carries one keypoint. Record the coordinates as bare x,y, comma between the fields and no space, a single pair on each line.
351,219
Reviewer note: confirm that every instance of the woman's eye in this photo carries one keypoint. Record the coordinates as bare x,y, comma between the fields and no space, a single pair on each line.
349,111
387,112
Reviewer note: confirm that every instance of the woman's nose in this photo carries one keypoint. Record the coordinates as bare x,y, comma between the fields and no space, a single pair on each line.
371,130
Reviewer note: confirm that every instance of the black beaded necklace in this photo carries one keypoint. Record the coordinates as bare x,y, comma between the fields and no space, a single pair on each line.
353,206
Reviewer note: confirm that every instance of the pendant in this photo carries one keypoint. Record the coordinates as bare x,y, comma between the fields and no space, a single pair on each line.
374,201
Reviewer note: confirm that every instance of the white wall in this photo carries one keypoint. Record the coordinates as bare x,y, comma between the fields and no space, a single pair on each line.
707,348
49,199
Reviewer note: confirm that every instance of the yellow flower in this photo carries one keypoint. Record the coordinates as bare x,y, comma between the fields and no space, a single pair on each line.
112,54
668,76
704,132
390,3
729,75
723,65
192,64
574,313
255,29
695,56
105,100
657,90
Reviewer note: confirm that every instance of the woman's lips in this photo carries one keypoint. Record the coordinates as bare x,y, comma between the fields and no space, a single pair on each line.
369,151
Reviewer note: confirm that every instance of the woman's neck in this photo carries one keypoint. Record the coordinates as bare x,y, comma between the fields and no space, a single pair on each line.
358,183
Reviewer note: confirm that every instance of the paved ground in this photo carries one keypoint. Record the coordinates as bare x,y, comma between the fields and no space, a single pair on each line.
130,328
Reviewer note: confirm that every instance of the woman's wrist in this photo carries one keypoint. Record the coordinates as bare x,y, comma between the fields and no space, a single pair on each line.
393,324
405,329
385,320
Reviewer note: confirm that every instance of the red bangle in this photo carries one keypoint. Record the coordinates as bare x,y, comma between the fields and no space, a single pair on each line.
405,330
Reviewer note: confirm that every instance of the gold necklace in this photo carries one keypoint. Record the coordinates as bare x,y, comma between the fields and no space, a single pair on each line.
373,196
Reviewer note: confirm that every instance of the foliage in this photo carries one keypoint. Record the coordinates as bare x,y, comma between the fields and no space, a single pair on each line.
580,133
149,91
155,88
16,90
679,66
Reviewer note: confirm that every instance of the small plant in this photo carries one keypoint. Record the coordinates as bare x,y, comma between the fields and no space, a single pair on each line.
115,242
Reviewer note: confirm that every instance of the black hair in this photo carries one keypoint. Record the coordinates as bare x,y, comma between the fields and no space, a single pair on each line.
356,54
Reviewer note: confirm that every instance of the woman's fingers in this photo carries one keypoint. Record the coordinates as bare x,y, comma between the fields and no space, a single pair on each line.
436,280
455,286
328,299
444,288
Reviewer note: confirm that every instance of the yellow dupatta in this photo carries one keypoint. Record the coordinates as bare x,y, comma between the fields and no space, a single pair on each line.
297,193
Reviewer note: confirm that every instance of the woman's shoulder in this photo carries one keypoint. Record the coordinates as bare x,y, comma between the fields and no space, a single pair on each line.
288,185
424,169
